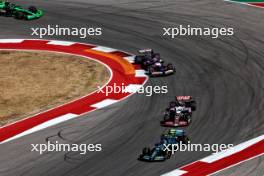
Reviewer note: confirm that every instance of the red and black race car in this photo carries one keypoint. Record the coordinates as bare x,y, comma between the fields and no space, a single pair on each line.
179,112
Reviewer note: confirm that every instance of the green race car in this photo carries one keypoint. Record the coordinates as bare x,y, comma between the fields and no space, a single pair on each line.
13,10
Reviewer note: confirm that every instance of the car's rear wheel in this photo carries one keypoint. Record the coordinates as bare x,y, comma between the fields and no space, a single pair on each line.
189,121
166,117
167,154
193,105
138,59
146,151
170,66
20,15
150,71
186,140
183,117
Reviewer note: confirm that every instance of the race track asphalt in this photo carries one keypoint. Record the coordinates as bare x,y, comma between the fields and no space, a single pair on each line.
225,75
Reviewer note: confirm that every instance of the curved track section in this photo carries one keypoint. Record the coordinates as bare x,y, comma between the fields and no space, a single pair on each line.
122,74
225,75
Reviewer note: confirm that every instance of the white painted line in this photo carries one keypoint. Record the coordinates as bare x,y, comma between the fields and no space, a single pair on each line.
130,59
104,103
141,73
133,88
244,3
43,126
215,157
176,172
241,162
11,40
69,116
104,49
62,43
231,151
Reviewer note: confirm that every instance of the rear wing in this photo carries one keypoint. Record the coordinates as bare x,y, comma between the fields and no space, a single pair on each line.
183,98
143,51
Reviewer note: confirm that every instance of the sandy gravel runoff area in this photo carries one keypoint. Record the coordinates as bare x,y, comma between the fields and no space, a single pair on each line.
32,81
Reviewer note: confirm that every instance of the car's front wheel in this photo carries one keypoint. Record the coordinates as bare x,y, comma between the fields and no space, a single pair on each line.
146,151
20,15
167,154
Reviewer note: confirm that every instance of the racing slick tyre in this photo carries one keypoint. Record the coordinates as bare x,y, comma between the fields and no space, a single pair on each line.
150,71
20,15
8,12
138,60
33,9
189,121
167,154
193,105
146,151
184,117
166,117
170,66
186,140
145,65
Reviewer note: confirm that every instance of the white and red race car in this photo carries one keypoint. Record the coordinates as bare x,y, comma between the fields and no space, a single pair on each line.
179,112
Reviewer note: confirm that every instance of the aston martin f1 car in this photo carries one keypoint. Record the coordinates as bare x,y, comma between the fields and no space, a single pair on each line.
168,139
12,10
179,112
156,154
153,64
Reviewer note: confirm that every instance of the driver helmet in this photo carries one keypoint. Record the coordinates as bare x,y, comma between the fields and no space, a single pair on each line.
158,64
172,131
